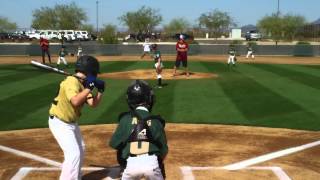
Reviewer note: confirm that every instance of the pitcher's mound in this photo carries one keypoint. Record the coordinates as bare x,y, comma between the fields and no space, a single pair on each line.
151,74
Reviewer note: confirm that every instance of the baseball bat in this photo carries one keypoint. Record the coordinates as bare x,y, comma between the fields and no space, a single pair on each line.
52,69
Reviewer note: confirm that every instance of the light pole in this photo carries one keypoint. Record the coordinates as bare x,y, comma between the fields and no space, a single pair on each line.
97,16
278,11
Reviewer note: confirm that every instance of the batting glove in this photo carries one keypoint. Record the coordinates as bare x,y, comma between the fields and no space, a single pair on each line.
100,85
90,82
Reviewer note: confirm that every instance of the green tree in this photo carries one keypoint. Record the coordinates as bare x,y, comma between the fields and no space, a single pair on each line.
144,19
281,27
177,25
109,34
60,17
272,26
87,27
6,25
291,25
216,22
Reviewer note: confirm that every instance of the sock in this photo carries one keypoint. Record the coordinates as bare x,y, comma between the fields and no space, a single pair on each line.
159,79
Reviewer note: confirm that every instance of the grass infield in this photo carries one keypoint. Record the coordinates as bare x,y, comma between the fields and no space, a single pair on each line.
285,96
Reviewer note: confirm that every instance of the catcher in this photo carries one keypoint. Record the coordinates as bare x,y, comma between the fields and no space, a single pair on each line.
140,139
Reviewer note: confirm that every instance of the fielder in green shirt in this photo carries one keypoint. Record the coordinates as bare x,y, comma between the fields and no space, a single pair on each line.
140,139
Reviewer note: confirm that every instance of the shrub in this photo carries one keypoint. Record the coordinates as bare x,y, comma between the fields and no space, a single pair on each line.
109,35
303,43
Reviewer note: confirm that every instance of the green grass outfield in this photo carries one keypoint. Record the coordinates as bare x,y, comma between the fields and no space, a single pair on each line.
286,96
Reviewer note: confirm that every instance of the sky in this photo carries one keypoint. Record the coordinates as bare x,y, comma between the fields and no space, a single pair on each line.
244,12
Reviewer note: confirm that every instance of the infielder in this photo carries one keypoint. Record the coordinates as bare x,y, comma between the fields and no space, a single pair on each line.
249,52
79,52
140,139
182,48
158,63
62,54
146,47
232,57
65,111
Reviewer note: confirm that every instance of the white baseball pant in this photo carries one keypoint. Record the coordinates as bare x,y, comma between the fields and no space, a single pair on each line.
157,64
231,59
142,166
63,59
250,53
69,138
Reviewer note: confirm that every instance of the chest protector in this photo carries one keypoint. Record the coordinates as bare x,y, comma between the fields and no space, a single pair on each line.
140,131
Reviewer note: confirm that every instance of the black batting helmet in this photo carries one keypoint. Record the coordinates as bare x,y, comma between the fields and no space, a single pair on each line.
88,65
139,93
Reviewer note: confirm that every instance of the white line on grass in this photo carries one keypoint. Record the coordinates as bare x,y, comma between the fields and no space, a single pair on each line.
267,157
30,156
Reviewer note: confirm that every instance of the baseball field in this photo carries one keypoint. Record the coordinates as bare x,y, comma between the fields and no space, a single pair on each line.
258,120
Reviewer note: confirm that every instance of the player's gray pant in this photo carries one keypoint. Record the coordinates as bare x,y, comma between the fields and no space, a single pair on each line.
142,166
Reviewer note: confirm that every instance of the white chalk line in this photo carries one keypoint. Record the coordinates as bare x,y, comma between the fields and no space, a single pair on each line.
278,171
270,156
24,171
188,174
30,156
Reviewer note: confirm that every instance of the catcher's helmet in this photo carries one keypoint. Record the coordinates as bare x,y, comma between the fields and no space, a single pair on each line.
139,93
88,65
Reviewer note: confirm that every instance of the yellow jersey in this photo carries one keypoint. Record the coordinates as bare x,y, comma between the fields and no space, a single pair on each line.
61,106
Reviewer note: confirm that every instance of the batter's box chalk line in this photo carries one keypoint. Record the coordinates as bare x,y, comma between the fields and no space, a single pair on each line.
247,164
187,171
24,171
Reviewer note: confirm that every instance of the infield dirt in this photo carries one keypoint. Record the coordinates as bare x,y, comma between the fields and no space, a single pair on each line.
189,145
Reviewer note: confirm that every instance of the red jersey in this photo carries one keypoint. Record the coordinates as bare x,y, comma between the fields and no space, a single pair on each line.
44,43
182,49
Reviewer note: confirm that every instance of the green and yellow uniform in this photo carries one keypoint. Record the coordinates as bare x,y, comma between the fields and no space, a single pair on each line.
120,139
63,53
61,106
156,55
232,52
